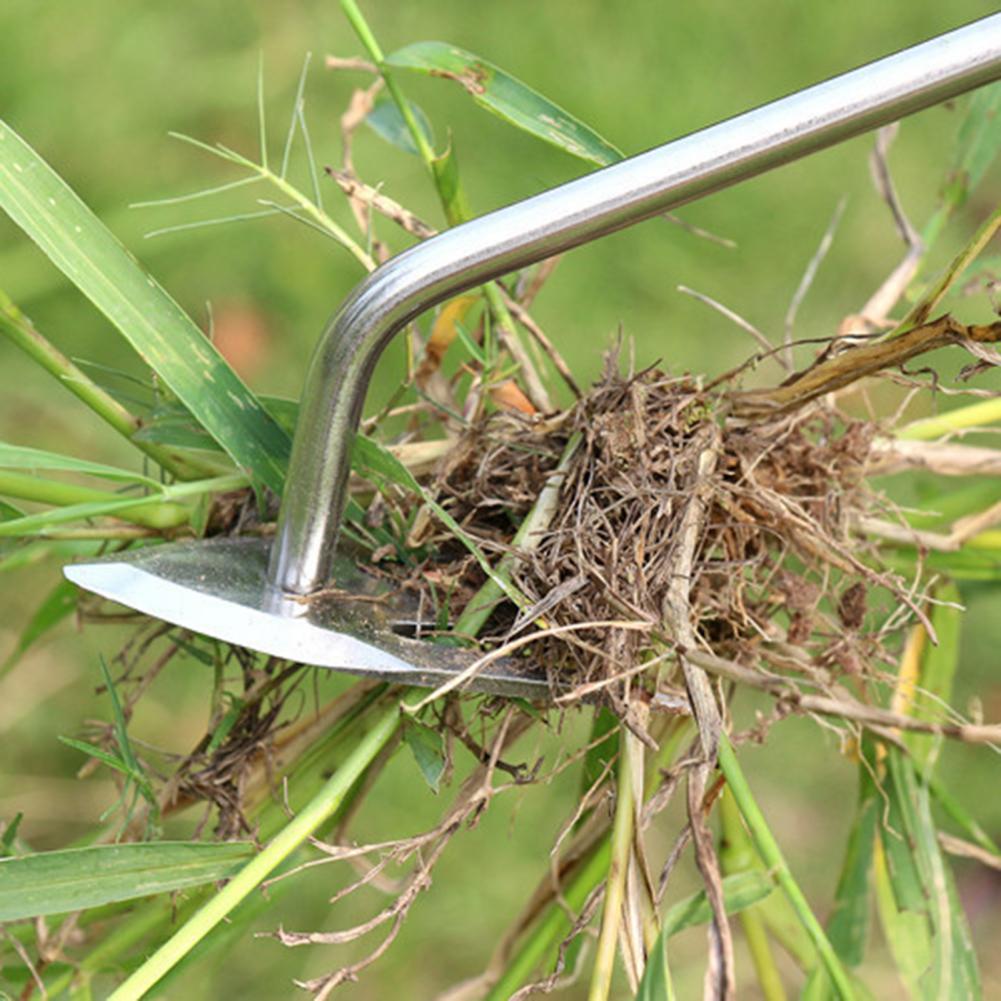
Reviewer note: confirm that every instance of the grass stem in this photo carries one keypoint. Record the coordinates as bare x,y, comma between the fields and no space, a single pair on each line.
25,486
22,333
317,812
737,855
772,856
621,847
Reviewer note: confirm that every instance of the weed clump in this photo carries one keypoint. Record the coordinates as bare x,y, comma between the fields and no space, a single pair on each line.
668,507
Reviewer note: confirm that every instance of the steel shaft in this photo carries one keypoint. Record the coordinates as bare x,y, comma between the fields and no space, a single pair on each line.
564,217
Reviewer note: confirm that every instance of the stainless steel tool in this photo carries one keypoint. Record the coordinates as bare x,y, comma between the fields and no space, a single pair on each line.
238,591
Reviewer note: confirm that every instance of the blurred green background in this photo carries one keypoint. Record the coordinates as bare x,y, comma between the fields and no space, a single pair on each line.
96,87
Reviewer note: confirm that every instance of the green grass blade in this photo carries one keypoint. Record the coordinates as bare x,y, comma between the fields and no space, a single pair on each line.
18,329
927,918
771,855
966,565
938,670
508,98
76,241
58,603
305,824
656,984
602,747
742,889
156,511
848,924
387,122
77,878
961,817
922,311
36,460
977,145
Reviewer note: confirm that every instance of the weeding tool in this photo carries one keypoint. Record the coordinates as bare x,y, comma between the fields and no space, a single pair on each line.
251,594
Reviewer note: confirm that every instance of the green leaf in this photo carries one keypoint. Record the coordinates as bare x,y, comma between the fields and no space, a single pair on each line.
508,98
59,602
938,669
978,141
656,984
9,837
938,509
122,736
29,553
227,722
76,241
386,122
742,889
98,754
962,817
445,168
77,878
37,460
8,512
965,565
174,426
602,747
848,924
927,919
428,749
902,862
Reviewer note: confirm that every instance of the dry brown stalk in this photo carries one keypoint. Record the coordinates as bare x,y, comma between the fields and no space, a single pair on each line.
835,370
363,194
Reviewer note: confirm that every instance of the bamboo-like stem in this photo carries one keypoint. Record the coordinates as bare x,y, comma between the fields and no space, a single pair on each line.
21,332
25,486
621,847
361,28
306,823
773,858
75,503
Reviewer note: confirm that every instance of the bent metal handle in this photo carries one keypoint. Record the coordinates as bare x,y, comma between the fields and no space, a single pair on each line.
565,217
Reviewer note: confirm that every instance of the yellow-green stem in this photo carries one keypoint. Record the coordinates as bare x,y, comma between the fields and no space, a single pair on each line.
317,812
24,486
737,855
962,418
622,837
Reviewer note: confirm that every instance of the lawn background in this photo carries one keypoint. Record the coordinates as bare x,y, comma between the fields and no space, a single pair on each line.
95,87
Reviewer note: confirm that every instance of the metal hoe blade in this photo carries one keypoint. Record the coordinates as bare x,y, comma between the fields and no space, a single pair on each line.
239,592
220,588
